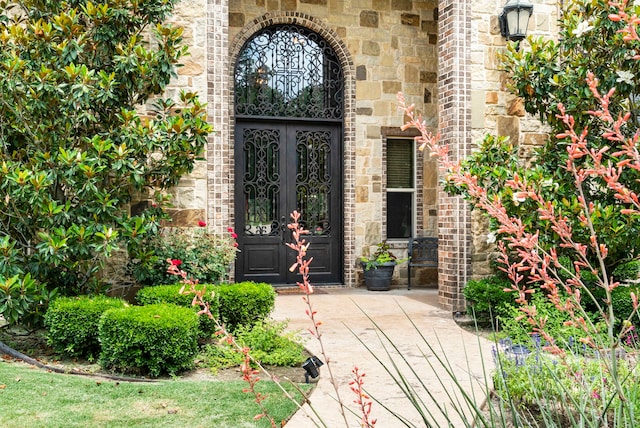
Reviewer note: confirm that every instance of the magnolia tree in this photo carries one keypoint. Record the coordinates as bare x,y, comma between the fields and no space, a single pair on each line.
73,147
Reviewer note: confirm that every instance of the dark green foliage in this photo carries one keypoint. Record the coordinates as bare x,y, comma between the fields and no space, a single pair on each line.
245,303
73,149
152,339
205,256
487,297
72,324
516,327
23,300
549,73
621,302
171,294
627,271
268,343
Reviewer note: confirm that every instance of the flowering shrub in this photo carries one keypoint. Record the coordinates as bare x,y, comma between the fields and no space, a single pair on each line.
200,253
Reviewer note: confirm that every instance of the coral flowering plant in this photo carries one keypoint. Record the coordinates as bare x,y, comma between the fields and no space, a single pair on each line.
532,262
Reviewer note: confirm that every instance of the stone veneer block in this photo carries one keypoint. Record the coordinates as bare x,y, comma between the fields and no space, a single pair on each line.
381,5
368,90
477,109
236,20
535,139
362,194
509,126
185,218
391,87
369,18
410,19
317,2
517,108
364,111
428,77
289,4
361,72
370,48
429,27
401,4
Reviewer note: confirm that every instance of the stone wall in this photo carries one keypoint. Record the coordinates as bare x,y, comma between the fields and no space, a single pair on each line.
493,109
393,46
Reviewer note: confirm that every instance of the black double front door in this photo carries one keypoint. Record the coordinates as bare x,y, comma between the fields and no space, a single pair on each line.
281,167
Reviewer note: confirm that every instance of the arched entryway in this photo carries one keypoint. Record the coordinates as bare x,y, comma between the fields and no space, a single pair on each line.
288,151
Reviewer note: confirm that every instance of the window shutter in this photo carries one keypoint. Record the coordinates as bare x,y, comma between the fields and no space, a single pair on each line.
400,164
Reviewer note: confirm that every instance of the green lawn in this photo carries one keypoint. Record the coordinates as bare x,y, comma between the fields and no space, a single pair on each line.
31,397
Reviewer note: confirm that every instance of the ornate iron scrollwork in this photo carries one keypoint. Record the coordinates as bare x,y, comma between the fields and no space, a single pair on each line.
288,71
261,181
313,180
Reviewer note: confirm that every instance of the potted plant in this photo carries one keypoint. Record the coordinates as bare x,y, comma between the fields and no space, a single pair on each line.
378,269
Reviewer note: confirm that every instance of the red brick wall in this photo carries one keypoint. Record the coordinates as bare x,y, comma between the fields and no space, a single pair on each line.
454,99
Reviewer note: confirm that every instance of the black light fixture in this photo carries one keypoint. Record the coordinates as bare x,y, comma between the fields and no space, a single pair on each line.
514,19
310,367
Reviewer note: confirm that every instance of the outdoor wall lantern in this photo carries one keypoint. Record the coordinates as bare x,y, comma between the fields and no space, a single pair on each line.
310,367
514,19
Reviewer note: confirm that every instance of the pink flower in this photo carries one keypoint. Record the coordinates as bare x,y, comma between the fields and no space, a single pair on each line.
202,223
230,229
176,262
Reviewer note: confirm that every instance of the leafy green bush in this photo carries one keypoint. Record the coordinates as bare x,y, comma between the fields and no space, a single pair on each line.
152,339
519,330
486,297
171,294
203,256
268,343
628,271
24,300
72,324
245,303
74,148
621,302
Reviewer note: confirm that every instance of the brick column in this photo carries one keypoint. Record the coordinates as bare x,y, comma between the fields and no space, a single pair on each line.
219,163
454,110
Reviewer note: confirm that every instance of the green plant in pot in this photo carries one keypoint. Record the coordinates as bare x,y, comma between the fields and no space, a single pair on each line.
378,269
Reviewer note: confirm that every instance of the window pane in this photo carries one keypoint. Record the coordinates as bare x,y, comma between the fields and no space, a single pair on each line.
399,214
400,164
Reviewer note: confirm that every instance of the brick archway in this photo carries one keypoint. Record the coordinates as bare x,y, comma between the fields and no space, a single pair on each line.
348,68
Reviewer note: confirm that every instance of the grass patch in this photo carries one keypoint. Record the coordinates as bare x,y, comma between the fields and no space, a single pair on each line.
34,398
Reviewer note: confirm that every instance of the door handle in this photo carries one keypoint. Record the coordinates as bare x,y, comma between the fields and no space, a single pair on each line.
283,229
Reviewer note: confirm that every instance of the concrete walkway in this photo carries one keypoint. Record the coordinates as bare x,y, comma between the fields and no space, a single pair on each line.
338,311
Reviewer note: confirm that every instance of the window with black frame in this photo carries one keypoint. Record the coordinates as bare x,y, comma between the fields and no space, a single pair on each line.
400,171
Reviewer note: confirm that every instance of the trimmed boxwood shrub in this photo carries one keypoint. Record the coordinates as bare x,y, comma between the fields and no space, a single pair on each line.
487,299
72,324
245,303
151,339
621,302
171,294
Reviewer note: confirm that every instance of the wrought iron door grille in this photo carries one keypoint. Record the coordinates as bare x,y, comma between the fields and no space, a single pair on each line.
288,71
